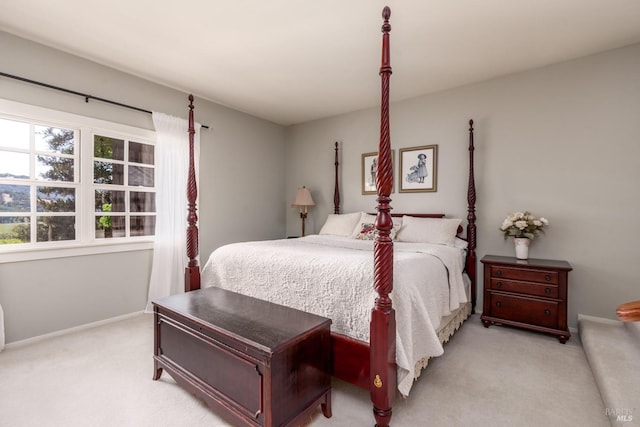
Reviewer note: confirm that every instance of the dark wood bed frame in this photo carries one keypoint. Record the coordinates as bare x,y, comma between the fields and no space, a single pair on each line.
368,365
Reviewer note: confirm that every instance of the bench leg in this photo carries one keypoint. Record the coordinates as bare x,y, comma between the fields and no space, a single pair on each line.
326,405
157,371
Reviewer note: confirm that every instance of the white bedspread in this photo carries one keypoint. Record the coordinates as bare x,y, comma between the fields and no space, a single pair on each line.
333,277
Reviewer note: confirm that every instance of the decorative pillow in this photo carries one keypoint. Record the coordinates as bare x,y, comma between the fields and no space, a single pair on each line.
366,228
367,231
440,231
341,224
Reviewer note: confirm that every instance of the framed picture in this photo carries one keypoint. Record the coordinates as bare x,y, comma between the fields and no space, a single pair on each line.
419,169
369,170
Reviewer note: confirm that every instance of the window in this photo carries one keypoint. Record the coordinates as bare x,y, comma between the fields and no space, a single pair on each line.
38,182
123,183
70,181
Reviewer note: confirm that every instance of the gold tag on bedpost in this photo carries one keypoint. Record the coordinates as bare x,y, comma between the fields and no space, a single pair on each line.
377,381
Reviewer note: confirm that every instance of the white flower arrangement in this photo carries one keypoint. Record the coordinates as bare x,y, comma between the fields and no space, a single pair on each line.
523,224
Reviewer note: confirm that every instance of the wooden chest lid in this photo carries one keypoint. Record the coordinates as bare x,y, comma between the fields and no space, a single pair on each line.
252,321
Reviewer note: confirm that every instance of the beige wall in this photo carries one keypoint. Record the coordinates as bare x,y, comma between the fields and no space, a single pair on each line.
561,141
45,296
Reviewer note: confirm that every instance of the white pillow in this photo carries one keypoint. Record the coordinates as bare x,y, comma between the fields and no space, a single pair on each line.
365,228
440,231
460,243
341,224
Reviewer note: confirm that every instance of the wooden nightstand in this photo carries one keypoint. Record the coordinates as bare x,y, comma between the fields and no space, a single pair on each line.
529,294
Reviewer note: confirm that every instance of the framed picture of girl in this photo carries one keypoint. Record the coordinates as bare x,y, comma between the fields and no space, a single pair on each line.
419,169
369,171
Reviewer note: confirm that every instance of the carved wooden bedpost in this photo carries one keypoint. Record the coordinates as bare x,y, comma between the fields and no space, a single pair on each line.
336,191
192,270
383,325
471,222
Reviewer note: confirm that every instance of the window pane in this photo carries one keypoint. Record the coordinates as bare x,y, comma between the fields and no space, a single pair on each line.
143,225
55,199
14,165
108,173
56,228
142,202
54,140
141,153
52,168
141,176
110,201
14,198
14,134
110,226
108,148
14,229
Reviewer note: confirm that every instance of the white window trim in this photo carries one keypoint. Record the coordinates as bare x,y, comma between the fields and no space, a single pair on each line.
88,126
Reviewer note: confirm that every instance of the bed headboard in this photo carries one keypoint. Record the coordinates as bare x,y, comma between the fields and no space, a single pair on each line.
425,215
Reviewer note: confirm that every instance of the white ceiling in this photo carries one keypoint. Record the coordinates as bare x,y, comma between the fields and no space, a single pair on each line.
291,61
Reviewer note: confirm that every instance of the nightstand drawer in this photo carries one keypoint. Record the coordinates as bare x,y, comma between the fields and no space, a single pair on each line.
528,288
540,276
525,310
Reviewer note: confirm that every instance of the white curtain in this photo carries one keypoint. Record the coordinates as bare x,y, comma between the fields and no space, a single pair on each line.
172,165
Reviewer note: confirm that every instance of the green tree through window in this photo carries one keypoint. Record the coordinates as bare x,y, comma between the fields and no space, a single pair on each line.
56,198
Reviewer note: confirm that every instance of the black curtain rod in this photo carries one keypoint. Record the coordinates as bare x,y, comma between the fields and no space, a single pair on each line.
86,97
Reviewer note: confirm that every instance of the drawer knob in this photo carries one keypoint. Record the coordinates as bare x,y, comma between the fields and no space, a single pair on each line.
499,284
547,277
547,312
499,273
547,291
498,304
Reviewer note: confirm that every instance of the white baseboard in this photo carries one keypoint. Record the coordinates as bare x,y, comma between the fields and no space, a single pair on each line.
39,338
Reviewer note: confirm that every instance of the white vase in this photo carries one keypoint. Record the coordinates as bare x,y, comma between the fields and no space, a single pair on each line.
522,247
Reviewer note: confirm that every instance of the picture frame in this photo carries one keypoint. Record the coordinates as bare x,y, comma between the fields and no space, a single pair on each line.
369,160
418,169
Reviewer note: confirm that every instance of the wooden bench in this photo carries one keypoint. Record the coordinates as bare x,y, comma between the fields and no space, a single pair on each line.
253,362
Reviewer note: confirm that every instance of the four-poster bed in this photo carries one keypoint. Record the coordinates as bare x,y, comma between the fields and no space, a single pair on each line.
371,365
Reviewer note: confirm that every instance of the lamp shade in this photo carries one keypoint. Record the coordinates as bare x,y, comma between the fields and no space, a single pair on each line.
303,198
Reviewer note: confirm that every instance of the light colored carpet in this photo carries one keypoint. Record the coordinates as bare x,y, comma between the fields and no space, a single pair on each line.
487,377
